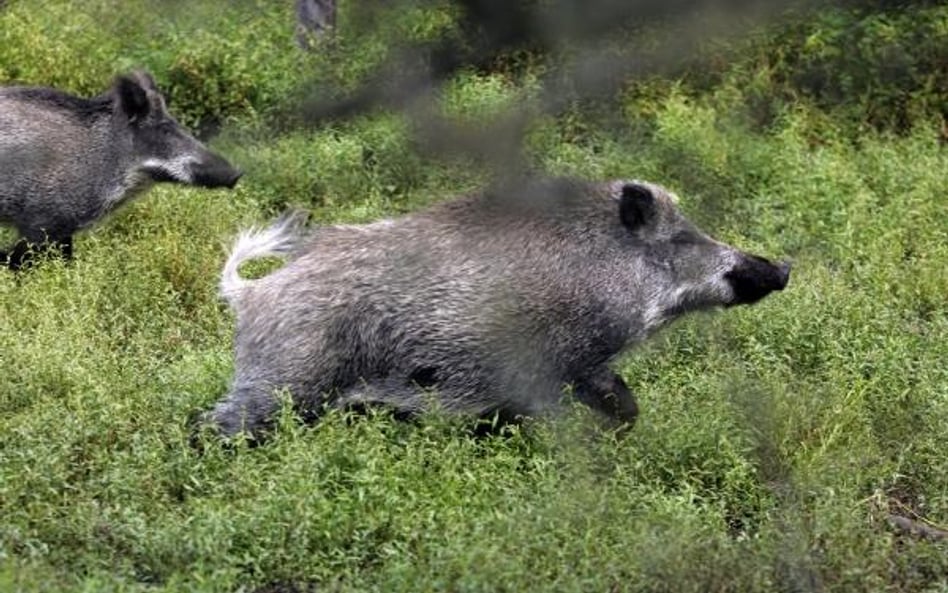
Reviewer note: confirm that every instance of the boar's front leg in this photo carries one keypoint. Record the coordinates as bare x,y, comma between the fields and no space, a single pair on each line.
247,408
606,392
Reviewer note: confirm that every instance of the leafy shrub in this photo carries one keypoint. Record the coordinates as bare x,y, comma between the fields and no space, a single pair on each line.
869,67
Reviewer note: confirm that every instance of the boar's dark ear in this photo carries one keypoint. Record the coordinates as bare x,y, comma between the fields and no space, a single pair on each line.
636,205
132,97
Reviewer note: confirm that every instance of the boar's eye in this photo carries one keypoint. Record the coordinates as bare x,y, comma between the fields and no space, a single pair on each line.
636,206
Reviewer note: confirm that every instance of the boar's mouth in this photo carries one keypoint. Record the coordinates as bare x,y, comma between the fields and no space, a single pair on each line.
212,181
754,278
210,173
159,175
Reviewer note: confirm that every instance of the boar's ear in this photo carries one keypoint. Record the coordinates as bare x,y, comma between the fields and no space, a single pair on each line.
146,80
132,97
636,205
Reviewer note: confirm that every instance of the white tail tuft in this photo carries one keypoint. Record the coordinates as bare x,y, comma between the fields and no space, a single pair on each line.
280,239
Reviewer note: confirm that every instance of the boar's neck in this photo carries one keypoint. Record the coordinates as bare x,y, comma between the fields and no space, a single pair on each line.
118,178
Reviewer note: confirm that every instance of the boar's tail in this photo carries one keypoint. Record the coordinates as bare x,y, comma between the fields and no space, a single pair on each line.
280,239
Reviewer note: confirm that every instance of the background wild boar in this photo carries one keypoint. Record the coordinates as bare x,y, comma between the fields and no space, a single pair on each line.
66,162
489,304
314,18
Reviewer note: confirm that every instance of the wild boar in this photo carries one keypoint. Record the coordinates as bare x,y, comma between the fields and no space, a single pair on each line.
492,304
66,162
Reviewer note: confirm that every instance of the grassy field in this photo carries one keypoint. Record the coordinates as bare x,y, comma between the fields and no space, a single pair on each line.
774,441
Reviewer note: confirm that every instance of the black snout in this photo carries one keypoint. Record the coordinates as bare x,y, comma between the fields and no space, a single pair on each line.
235,177
783,269
755,277
215,171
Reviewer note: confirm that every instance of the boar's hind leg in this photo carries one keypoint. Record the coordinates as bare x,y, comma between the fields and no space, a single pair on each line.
248,409
65,247
606,392
24,250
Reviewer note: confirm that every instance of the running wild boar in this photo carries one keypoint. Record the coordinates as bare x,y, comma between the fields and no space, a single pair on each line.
493,305
66,162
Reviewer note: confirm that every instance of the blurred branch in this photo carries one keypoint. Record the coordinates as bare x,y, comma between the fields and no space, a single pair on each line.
575,34
493,28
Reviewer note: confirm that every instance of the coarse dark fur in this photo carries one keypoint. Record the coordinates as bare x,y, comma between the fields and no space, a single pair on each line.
488,304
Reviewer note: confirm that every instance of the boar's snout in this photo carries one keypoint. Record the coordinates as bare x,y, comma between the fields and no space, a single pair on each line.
784,271
234,178
215,171
755,277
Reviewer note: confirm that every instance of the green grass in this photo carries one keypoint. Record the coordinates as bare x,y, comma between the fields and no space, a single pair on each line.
773,439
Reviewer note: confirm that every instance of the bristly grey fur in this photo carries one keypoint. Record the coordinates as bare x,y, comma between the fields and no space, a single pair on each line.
66,161
486,304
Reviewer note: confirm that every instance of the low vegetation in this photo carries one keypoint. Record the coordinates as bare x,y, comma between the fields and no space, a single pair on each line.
780,446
